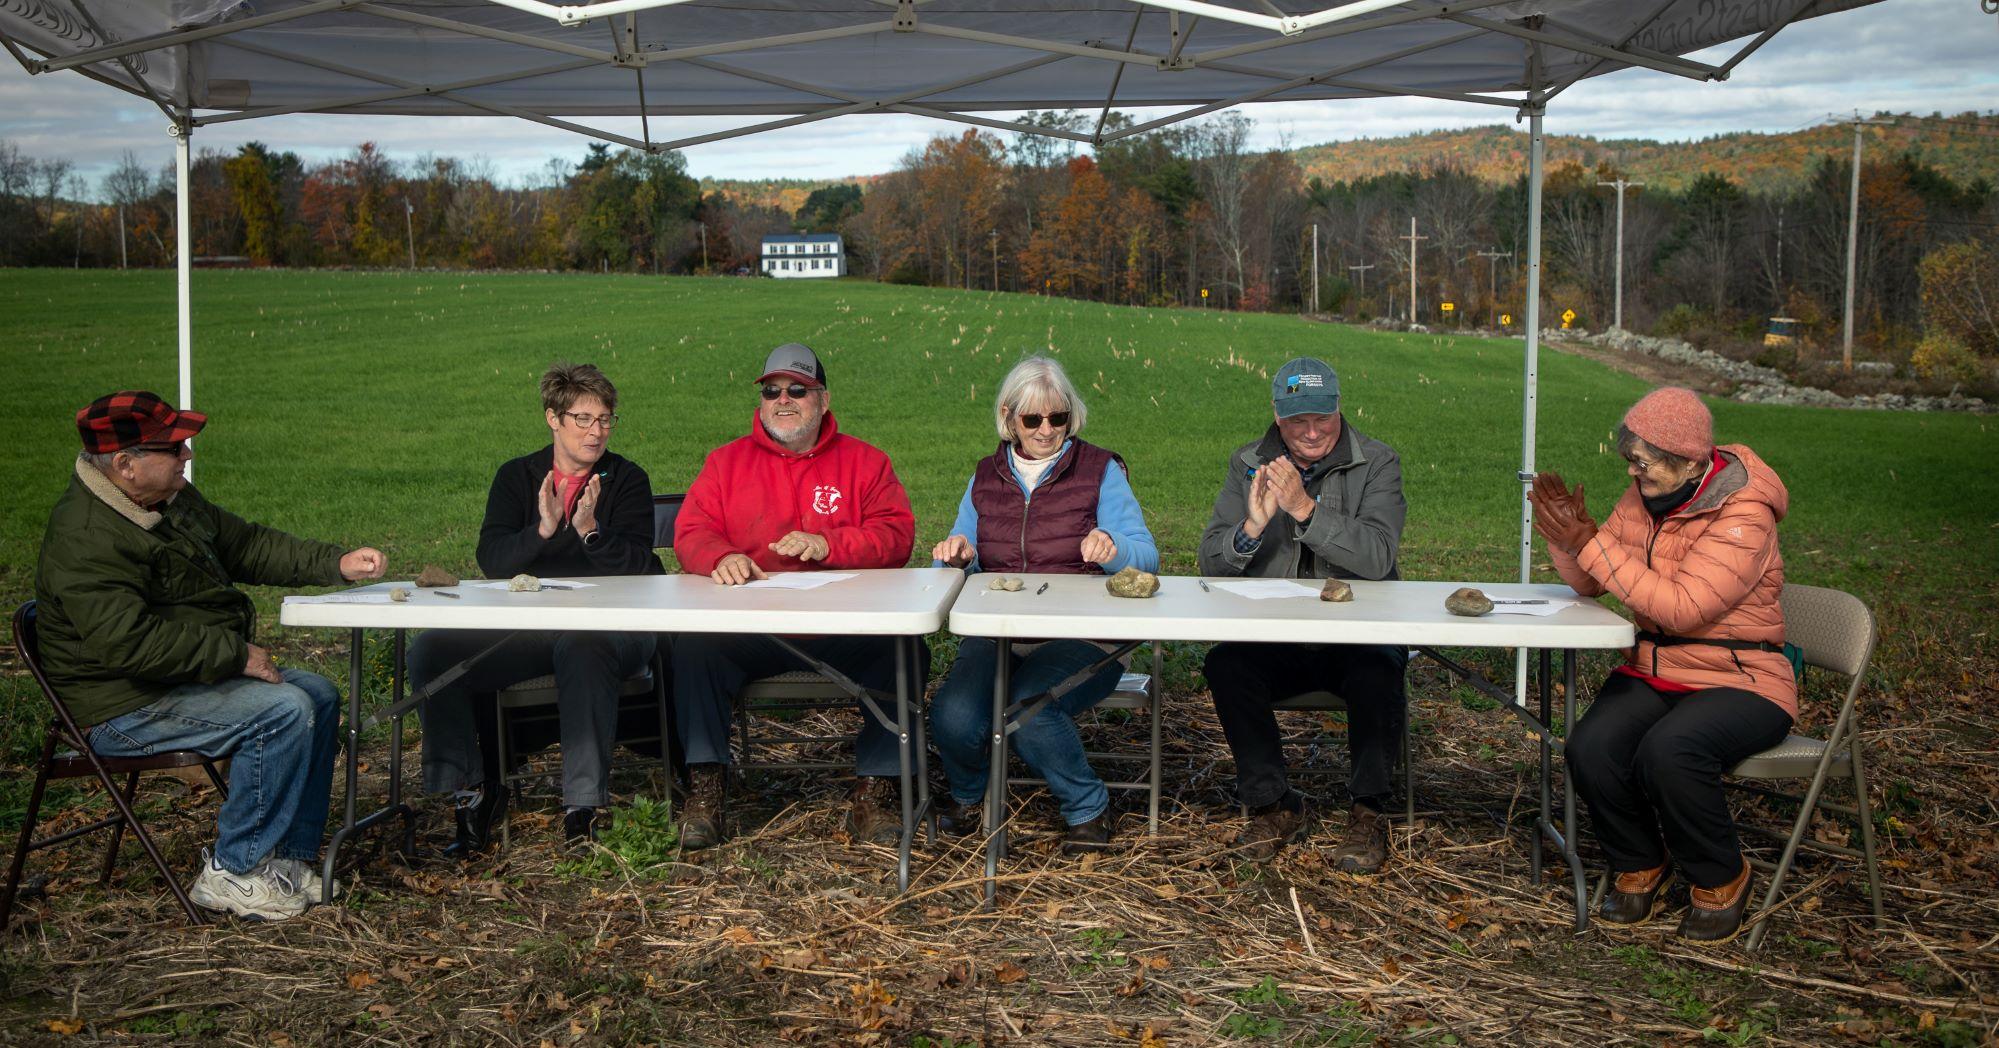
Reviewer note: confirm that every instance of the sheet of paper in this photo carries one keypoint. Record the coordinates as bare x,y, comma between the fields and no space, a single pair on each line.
341,598
799,580
547,584
1549,608
1265,589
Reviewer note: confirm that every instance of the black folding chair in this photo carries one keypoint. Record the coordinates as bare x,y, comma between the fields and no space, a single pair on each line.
77,760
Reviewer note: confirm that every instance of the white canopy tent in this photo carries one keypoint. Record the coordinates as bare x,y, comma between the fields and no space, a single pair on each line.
205,62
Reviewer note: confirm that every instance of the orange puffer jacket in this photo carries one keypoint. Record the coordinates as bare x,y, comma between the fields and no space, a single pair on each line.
1711,570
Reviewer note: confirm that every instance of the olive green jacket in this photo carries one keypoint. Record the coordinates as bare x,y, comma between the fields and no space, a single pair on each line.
135,602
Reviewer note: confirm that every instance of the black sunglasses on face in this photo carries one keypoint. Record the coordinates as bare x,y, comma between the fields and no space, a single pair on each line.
795,391
1058,419
178,447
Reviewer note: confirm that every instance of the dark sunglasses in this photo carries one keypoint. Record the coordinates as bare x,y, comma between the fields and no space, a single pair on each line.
178,447
795,391
1058,419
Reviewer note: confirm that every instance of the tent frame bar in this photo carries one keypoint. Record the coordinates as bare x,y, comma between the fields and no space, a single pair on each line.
182,37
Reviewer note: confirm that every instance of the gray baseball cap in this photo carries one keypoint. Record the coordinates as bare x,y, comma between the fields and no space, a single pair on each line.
1305,386
794,360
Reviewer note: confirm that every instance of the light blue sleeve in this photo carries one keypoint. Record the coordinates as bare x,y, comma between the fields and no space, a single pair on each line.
1119,517
967,525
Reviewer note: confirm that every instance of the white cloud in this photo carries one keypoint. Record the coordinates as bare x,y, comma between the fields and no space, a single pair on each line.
1910,56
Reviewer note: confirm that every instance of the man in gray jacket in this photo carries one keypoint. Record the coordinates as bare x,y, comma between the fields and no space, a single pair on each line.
1312,498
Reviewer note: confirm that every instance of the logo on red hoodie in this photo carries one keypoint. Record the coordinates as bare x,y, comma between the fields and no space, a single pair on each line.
826,499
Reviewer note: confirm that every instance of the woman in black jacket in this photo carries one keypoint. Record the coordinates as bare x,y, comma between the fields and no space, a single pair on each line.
571,510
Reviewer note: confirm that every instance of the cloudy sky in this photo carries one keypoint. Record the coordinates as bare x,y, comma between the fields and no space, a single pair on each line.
1900,56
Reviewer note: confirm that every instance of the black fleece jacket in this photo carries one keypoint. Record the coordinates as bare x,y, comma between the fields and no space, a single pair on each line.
510,541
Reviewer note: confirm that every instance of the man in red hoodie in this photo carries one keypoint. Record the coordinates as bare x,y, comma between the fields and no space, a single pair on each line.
796,494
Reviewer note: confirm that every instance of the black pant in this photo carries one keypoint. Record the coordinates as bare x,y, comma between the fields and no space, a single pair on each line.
1649,765
709,669
1246,679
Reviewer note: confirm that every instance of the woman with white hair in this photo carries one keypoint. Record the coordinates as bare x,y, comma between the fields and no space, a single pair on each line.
1043,501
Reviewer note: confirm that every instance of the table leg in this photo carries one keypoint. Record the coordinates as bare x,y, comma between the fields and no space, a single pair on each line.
353,776
396,683
1569,841
903,762
1545,691
926,812
996,773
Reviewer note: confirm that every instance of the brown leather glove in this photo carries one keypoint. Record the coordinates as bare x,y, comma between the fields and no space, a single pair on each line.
1560,515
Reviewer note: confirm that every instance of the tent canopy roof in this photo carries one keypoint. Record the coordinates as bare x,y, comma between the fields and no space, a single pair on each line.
212,61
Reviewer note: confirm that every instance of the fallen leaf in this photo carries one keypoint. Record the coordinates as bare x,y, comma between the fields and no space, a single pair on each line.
360,980
1009,972
65,1027
739,935
381,1011
280,1039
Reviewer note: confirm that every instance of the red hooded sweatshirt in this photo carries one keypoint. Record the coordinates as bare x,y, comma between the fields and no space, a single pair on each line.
751,492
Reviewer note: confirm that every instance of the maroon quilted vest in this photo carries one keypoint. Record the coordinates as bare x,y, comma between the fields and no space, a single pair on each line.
1045,534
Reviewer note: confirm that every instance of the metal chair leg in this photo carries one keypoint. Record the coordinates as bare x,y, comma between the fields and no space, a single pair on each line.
1408,767
504,771
118,832
145,840
27,829
1864,814
1154,778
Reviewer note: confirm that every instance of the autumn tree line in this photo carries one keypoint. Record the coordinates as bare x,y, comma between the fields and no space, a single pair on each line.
1189,215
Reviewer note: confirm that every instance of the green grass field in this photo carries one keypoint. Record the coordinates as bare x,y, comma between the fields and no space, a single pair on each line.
373,408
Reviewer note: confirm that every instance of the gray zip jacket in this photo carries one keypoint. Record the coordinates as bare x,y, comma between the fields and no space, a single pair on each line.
1354,534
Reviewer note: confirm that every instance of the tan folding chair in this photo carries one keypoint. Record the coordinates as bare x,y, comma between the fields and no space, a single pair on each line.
1139,693
78,760
1327,702
1837,633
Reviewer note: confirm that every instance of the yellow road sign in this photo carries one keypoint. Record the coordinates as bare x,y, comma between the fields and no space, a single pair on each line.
1204,292
1568,317
1505,319
1449,306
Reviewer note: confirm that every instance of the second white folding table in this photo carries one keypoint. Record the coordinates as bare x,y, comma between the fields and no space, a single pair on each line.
1049,607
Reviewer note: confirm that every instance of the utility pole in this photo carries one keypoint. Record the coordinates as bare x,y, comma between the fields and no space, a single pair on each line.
704,246
1412,238
1617,310
1362,270
1315,267
121,234
1493,257
409,228
994,236
1853,239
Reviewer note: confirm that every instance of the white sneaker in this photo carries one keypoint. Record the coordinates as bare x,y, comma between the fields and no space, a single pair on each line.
263,894
304,876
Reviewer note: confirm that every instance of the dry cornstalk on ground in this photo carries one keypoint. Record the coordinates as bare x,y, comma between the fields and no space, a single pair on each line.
792,933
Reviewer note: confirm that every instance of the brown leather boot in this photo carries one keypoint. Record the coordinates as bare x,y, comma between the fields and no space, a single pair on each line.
701,819
1634,896
1086,837
1364,848
1715,915
874,810
1273,826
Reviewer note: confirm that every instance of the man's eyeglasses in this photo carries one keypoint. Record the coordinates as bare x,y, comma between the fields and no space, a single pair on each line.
584,420
177,448
1058,419
795,391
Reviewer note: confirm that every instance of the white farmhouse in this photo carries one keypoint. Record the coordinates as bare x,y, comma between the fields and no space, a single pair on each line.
804,255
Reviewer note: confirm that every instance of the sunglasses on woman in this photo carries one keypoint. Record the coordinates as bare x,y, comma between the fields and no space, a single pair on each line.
795,391
1058,419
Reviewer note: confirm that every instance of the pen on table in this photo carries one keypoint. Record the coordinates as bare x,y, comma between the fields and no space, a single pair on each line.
1043,589
446,593
1497,600
1204,585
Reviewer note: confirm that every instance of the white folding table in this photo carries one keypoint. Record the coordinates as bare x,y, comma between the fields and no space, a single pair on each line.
906,604
1191,609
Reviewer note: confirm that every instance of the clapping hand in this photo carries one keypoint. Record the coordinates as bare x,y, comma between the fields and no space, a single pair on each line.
549,501
1560,515
584,518
1287,486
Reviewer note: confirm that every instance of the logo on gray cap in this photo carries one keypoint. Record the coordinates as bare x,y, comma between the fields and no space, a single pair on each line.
1305,386
794,359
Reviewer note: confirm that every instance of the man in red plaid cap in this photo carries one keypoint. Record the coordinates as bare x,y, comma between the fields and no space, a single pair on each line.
148,641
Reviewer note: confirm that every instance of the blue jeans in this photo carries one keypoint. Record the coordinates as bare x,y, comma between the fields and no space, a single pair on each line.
961,720
279,739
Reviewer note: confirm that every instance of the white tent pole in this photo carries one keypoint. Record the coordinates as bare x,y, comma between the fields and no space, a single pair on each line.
1528,405
184,267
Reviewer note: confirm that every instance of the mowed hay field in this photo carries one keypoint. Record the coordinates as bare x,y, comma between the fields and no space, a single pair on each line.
373,408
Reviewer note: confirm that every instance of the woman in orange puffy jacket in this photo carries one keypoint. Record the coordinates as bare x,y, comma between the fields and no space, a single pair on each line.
1691,549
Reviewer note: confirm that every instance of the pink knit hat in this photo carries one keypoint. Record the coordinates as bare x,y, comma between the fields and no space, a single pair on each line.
1673,420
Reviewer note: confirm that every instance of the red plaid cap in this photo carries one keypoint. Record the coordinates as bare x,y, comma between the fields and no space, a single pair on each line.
131,417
